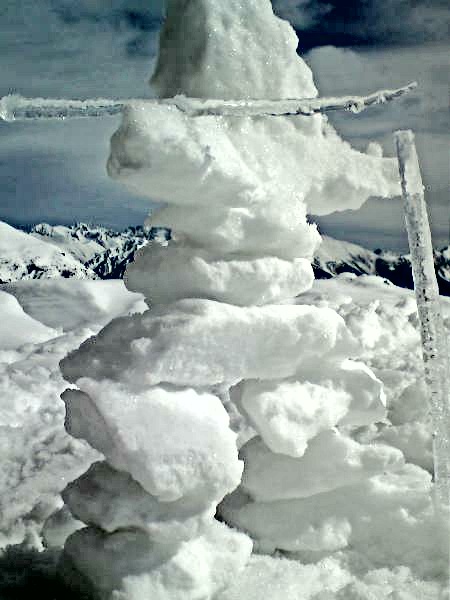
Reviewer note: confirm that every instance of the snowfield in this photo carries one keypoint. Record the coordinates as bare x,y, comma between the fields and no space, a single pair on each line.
39,458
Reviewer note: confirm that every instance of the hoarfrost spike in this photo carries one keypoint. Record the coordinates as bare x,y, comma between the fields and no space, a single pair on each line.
17,108
434,346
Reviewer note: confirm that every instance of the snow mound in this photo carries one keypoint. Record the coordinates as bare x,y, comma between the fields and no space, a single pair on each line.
18,328
74,304
24,257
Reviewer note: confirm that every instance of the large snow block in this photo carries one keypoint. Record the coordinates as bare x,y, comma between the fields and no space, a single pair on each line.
166,274
112,500
292,165
175,443
128,565
331,461
203,343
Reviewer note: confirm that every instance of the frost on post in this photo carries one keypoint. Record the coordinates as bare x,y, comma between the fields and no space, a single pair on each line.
434,345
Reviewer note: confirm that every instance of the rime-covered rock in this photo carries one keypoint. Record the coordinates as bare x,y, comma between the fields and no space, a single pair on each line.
175,443
112,500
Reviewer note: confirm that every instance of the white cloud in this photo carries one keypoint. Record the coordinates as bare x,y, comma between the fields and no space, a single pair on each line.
341,71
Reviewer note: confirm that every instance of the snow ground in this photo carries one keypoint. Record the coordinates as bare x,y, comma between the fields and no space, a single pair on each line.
39,458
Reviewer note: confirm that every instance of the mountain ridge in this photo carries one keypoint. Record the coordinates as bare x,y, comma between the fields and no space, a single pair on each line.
96,252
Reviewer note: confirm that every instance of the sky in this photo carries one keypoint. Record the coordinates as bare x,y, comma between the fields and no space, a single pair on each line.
55,172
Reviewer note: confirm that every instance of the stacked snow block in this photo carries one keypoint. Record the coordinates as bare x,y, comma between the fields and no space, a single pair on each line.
170,458
223,339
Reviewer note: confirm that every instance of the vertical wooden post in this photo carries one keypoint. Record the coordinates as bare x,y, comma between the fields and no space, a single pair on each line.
434,346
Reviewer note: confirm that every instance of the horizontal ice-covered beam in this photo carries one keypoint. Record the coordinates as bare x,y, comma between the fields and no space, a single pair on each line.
297,106
17,108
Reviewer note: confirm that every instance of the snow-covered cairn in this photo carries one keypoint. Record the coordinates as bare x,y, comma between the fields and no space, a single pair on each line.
223,334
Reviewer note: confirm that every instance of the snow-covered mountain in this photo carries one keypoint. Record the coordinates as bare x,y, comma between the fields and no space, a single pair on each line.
104,251
24,256
92,252
335,256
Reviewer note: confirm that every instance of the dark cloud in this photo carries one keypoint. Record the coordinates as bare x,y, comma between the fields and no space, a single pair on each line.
138,14
367,22
87,48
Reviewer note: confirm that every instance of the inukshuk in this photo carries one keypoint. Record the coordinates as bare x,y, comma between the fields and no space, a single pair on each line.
223,338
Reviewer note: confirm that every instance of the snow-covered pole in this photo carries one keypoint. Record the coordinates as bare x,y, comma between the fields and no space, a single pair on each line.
434,345
18,108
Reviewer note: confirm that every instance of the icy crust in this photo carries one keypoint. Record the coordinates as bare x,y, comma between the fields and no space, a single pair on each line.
128,565
288,413
197,63
328,579
202,343
244,163
331,461
166,274
388,518
112,500
175,443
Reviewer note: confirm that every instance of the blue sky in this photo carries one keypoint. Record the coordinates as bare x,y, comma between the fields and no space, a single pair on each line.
55,172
